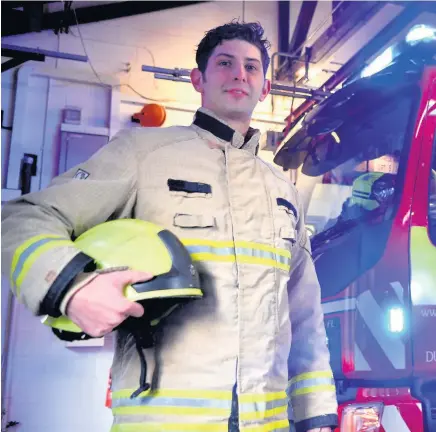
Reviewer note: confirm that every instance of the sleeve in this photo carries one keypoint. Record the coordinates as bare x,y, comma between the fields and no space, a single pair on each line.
38,229
311,386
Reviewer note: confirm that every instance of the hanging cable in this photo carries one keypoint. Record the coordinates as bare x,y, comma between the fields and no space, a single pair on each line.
309,37
117,85
86,52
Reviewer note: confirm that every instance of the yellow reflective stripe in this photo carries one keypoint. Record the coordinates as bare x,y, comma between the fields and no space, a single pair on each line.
163,403
26,244
199,403
206,256
266,248
311,382
253,397
256,415
241,251
231,244
243,259
169,410
279,425
263,261
169,427
26,255
276,426
35,255
259,406
23,247
310,375
314,389
185,394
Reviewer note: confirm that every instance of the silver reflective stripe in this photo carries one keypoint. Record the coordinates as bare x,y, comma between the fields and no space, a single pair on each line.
258,253
283,260
28,251
311,382
251,252
156,401
262,406
211,249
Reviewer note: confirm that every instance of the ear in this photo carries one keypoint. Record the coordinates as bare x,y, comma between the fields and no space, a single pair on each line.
197,80
265,90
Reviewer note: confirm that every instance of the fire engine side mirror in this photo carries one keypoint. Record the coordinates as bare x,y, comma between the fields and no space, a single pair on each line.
323,125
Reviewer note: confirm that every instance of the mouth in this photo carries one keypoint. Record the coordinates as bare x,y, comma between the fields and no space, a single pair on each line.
237,92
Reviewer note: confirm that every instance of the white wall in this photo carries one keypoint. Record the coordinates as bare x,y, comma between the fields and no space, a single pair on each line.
7,98
50,387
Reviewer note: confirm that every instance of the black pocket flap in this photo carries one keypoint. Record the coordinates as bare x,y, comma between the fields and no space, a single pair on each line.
189,187
281,202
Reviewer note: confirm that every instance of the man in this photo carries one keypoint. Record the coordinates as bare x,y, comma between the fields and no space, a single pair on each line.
224,359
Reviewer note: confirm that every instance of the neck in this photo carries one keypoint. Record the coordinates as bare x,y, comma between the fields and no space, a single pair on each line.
240,126
237,122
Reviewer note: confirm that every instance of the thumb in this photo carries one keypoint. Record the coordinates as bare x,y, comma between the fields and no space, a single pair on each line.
129,277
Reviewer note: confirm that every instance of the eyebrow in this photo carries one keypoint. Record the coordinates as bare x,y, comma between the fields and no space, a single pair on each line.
232,57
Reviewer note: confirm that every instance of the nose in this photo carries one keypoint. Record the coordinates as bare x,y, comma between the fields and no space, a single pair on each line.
240,74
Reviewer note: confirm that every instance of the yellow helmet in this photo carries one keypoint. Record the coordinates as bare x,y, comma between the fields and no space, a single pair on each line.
372,189
141,246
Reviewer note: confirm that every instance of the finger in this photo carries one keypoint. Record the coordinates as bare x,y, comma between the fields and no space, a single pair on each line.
134,309
98,332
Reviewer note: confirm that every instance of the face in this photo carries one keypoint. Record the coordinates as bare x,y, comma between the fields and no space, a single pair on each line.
233,82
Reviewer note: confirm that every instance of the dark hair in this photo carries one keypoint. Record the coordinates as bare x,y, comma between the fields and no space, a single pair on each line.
250,32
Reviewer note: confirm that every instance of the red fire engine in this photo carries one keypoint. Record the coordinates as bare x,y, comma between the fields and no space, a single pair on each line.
365,163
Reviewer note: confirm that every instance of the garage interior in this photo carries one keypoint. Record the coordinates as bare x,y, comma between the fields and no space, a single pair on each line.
74,73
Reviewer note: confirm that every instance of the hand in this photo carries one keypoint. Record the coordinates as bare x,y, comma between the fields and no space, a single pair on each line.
100,306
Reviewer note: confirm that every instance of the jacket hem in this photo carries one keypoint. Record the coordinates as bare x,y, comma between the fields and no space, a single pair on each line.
329,420
51,303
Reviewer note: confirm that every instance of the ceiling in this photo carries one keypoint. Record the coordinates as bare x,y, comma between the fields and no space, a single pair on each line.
19,17
359,32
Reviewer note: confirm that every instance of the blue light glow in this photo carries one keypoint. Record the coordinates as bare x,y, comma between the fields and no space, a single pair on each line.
420,33
382,61
396,320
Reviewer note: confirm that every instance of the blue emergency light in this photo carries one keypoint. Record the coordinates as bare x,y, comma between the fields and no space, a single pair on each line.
420,33
396,319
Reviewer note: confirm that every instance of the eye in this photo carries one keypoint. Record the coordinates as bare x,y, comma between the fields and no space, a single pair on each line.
251,67
224,63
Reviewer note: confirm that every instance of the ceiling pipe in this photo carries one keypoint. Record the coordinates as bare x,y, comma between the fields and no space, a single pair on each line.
16,22
358,61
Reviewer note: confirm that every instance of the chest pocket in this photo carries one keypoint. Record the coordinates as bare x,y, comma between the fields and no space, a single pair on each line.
189,197
193,221
287,217
189,189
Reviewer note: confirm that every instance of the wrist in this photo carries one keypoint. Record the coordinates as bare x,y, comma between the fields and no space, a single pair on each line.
80,281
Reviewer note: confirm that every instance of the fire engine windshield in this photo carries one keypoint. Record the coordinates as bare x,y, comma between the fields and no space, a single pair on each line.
349,162
350,156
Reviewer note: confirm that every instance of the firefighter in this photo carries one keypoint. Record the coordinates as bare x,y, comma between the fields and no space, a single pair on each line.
230,360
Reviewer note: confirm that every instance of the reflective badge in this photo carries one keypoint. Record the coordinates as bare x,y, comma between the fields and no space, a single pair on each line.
81,174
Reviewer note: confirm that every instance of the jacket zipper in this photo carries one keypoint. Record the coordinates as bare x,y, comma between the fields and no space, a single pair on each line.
234,414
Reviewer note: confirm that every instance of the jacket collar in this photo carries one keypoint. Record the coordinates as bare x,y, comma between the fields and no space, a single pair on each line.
206,121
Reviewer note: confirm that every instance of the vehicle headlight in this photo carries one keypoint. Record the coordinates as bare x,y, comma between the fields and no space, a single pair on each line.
362,417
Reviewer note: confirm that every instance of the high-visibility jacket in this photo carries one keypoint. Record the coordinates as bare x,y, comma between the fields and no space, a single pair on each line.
256,337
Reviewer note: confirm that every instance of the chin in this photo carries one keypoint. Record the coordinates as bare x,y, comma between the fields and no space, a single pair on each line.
238,114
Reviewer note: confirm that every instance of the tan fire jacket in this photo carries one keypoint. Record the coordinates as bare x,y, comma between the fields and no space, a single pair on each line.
258,334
